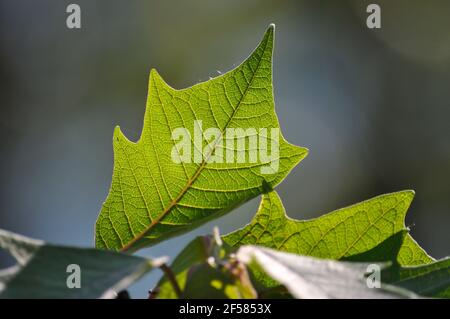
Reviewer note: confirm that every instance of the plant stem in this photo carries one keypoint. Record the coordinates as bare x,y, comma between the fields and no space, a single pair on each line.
172,279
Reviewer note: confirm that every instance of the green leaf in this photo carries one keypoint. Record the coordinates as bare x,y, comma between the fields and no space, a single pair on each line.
431,280
387,250
41,270
309,277
338,235
195,253
152,198
205,281
344,234
198,278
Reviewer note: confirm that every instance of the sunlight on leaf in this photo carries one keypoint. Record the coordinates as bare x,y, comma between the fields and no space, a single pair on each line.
336,235
152,198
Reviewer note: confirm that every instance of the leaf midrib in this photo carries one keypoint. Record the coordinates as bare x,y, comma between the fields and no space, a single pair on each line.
177,199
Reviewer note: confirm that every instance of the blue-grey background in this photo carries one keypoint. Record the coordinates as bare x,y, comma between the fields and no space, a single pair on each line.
371,105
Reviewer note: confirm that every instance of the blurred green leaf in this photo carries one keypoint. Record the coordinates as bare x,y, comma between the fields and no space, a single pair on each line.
213,282
308,277
42,270
195,253
152,198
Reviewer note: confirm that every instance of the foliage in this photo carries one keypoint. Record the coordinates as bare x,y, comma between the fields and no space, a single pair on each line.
153,198
41,270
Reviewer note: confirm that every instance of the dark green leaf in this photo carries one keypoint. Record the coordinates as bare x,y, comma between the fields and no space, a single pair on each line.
42,270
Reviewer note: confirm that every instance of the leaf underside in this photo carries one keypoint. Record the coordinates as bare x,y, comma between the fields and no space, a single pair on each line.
338,235
151,197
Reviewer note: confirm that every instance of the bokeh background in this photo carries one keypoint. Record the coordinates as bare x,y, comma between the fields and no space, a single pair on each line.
371,105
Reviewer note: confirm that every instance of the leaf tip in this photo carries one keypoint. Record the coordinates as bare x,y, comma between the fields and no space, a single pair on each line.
305,151
409,193
156,79
153,72
155,76
270,32
118,136
117,133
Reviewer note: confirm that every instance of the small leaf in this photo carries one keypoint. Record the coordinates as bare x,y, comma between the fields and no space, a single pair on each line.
195,253
340,234
42,270
309,277
152,198
203,270
212,282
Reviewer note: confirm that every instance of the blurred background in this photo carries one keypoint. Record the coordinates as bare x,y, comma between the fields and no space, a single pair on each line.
373,106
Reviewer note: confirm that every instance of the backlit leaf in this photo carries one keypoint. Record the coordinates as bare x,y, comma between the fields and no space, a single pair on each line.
153,198
338,235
